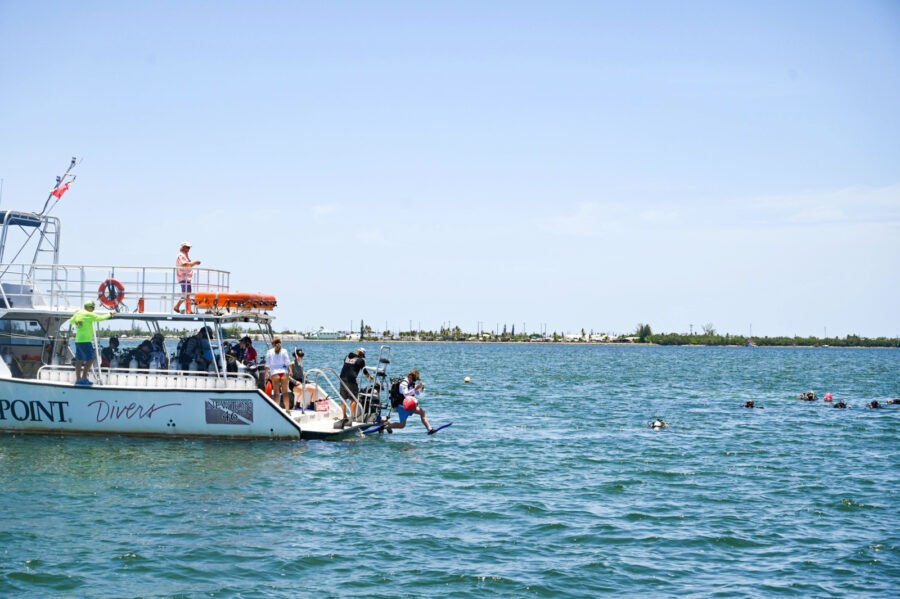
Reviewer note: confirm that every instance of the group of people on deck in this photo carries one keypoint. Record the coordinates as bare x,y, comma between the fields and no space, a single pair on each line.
283,375
150,354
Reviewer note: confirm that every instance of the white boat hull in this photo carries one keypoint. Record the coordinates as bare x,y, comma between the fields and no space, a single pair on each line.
58,408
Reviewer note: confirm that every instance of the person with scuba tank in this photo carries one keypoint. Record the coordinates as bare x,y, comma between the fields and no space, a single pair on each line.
109,355
407,396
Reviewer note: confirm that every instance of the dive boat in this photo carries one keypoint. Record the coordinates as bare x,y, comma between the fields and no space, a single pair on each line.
170,398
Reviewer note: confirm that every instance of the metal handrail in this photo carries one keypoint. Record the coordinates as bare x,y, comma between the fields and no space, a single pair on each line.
315,372
162,372
61,286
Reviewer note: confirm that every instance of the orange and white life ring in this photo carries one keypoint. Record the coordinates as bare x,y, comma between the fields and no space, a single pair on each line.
111,293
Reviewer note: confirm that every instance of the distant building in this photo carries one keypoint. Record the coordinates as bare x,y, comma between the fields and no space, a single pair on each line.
324,334
600,338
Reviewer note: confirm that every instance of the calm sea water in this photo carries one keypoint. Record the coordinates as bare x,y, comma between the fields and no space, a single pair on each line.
549,484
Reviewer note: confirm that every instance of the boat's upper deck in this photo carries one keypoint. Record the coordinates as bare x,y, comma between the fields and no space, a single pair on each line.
60,287
45,285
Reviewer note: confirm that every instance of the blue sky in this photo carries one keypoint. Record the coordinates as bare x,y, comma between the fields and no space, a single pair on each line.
558,165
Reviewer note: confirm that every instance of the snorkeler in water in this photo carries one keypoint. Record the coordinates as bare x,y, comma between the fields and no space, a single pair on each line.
658,424
751,404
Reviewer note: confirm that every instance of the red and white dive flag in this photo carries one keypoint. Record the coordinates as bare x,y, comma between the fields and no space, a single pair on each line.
59,190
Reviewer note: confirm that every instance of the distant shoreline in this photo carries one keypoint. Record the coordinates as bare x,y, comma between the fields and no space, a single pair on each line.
652,341
288,339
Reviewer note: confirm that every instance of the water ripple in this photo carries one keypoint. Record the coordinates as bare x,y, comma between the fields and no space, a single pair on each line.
549,484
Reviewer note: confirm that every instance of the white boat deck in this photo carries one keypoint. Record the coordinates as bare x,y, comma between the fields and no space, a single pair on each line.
150,379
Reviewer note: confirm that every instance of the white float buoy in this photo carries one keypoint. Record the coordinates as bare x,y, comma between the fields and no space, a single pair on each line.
467,380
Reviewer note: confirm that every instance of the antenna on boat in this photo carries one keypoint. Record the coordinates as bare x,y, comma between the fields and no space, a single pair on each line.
39,223
60,188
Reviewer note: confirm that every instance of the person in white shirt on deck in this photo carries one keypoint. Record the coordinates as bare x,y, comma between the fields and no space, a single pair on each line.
278,363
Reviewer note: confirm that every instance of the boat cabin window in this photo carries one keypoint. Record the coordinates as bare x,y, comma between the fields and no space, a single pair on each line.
12,329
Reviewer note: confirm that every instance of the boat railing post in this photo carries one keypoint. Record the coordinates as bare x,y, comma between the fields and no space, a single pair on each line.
95,366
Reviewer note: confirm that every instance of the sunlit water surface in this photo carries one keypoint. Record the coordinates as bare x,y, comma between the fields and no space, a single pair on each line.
548,484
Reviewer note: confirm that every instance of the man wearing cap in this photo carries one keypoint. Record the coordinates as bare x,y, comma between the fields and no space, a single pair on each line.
353,364
83,321
184,272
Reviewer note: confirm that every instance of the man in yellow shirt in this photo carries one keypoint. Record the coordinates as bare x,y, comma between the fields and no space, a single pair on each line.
84,320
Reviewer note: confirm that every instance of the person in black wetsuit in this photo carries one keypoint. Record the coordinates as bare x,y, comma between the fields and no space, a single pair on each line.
143,355
353,364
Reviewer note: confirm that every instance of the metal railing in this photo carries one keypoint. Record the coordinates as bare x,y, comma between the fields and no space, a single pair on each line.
313,375
154,379
66,287
367,401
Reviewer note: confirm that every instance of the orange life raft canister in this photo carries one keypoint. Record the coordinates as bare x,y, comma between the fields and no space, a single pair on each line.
234,300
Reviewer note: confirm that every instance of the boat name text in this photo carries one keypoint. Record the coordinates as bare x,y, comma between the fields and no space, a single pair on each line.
237,411
113,411
33,411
